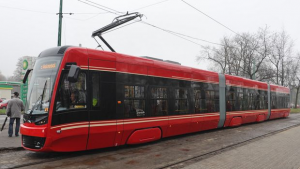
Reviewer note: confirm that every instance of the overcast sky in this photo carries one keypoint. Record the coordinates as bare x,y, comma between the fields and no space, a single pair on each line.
29,27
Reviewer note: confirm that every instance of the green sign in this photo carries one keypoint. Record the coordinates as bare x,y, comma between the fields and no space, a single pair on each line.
24,92
25,64
24,87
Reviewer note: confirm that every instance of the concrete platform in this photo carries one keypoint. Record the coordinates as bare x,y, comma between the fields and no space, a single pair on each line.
279,151
7,143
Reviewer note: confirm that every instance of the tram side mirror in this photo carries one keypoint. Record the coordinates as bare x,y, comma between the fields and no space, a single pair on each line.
26,75
73,73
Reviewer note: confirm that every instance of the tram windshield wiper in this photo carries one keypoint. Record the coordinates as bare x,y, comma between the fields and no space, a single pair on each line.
42,96
39,101
116,22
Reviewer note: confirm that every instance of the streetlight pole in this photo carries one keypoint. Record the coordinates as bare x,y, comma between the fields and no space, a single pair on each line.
60,23
297,91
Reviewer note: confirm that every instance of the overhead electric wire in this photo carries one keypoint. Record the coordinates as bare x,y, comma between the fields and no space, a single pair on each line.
218,23
168,31
50,13
107,8
180,34
89,13
171,32
210,17
149,5
98,7
86,18
121,27
26,10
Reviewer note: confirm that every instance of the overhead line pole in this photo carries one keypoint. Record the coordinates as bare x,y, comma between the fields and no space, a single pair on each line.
59,23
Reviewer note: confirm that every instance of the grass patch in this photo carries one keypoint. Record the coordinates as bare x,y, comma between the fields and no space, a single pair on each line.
295,110
2,111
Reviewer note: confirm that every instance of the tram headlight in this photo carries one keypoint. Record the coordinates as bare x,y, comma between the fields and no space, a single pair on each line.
42,120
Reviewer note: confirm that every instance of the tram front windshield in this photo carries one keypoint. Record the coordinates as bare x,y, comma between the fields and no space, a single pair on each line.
41,85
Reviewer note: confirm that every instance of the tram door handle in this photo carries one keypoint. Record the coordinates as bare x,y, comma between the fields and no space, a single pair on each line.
58,131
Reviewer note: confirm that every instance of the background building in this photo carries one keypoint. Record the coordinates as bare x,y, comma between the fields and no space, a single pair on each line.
8,88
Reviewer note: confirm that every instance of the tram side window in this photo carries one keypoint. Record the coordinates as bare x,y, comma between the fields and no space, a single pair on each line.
197,96
284,101
209,101
266,100
216,98
159,103
208,98
287,100
281,100
102,98
71,95
230,98
263,100
239,99
95,91
273,100
251,99
256,98
277,102
246,99
181,102
134,101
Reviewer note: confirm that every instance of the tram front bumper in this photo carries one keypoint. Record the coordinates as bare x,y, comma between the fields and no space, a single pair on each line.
33,137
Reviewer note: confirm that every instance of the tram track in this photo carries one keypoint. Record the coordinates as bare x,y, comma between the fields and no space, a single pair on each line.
191,160
45,159
35,162
39,158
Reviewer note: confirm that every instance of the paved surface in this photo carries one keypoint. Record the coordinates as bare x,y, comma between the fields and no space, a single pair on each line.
5,141
278,151
189,151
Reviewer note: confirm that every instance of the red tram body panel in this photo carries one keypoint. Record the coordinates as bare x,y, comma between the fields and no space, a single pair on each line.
157,99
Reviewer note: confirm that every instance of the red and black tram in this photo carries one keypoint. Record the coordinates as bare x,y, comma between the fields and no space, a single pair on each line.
81,99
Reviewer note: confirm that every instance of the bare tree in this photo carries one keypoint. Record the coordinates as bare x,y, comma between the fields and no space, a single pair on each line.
242,55
265,73
18,70
280,56
2,77
293,76
263,56
264,70
11,78
219,56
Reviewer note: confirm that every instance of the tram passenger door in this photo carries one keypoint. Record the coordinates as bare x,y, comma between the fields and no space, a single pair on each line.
69,124
181,119
119,113
102,113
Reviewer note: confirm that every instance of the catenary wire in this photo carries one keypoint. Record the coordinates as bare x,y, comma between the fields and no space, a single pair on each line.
50,12
27,10
107,8
172,32
86,18
220,24
246,39
149,5
210,17
168,31
121,26
98,7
